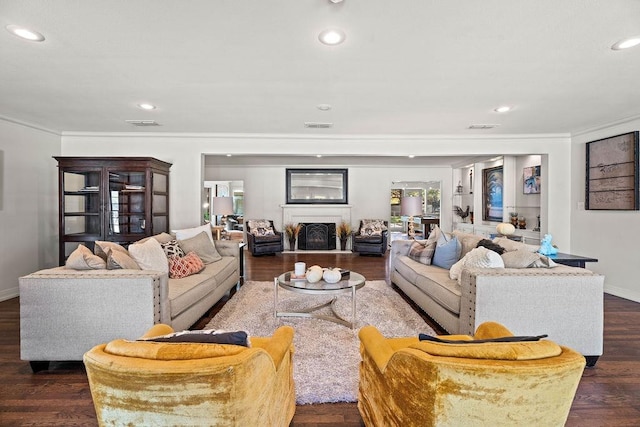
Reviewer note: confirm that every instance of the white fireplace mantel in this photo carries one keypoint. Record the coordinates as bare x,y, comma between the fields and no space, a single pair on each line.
316,213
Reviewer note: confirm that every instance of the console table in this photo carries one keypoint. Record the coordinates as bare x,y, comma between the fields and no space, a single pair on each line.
571,260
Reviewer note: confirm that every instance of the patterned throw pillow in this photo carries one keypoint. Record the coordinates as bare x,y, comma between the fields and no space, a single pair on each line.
260,227
372,227
172,248
422,252
187,265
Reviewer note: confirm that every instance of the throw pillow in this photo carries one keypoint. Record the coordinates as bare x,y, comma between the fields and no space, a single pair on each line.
172,248
102,248
260,227
117,260
161,238
512,338
207,336
525,259
187,265
511,245
422,252
447,251
491,246
191,232
480,257
149,256
372,227
467,241
83,259
201,245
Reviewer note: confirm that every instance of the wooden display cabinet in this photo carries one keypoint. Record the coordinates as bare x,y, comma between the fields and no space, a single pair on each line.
118,199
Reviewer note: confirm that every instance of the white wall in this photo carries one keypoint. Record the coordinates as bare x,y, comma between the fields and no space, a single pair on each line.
28,203
369,188
185,152
610,236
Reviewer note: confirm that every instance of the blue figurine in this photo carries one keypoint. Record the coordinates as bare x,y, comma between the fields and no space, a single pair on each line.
546,248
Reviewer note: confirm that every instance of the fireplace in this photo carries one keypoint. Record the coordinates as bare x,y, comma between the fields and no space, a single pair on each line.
319,236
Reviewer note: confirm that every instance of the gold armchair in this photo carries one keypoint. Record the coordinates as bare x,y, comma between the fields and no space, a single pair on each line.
159,383
407,382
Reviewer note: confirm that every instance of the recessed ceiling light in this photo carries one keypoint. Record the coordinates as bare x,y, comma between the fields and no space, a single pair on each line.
25,33
146,106
503,109
626,43
332,36
228,155
323,107
318,155
411,156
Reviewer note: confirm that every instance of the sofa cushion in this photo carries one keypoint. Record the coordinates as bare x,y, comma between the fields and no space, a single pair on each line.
83,259
183,293
201,245
187,265
422,252
433,281
149,256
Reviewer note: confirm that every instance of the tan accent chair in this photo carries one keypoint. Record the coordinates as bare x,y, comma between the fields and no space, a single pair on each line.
160,383
407,382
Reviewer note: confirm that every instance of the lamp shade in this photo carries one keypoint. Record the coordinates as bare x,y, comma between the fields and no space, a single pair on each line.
222,205
411,206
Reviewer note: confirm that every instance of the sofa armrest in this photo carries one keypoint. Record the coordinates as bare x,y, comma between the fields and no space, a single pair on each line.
64,313
398,247
564,302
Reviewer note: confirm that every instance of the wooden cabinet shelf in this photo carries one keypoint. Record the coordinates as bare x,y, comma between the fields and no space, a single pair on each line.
119,199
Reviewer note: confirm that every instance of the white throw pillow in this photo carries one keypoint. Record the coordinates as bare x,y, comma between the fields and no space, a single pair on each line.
149,256
477,258
187,233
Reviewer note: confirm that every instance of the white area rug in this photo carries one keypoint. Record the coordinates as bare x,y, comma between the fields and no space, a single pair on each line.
327,355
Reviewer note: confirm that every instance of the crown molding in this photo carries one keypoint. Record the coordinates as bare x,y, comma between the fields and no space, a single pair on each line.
29,125
607,125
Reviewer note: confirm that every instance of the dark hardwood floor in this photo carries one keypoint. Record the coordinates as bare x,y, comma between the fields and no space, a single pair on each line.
608,395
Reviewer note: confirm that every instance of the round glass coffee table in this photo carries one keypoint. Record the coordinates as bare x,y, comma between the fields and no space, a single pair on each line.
349,284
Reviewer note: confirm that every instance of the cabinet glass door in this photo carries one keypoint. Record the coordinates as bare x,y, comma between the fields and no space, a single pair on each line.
126,203
81,203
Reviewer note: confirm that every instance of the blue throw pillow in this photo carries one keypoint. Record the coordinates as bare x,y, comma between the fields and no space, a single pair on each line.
447,252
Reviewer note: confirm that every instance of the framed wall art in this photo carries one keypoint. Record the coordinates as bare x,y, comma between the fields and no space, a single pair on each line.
531,180
492,185
612,173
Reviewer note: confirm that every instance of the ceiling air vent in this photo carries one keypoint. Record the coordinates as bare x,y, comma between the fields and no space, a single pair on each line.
483,126
143,122
317,125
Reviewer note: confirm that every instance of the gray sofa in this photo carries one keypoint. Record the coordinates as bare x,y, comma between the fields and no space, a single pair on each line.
65,312
564,302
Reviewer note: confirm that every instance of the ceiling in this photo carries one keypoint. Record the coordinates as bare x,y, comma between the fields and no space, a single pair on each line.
407,67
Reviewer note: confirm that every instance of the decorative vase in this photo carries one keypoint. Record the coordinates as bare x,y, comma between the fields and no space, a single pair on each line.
343,244
292,244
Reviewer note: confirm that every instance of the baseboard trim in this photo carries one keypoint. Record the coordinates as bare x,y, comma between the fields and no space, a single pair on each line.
9,293
623,293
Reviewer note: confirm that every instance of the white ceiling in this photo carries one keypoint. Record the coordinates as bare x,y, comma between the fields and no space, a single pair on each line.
414,67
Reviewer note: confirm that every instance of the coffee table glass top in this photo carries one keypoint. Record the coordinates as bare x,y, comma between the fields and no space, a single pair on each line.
353,280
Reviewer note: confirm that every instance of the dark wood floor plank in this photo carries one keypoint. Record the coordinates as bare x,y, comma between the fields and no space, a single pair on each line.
608,395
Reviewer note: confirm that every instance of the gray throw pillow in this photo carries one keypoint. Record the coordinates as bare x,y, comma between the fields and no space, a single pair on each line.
202,246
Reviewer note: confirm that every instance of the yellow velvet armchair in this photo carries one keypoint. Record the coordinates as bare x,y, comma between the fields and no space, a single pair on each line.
407,382
191,384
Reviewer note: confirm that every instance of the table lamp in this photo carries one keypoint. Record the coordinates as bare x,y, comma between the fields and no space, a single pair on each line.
222,206
411,206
